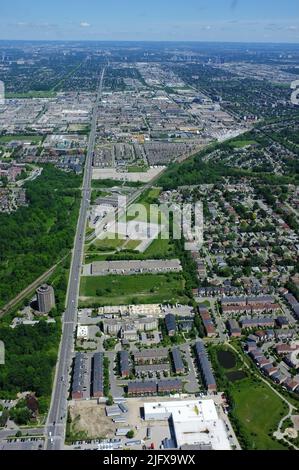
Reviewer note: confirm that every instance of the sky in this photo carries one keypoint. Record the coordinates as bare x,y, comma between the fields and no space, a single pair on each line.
151,20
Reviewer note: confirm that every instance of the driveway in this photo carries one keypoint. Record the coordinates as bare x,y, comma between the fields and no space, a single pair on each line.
192,386
115,389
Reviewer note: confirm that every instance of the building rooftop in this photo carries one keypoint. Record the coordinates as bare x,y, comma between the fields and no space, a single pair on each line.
177,359
97,377
195,422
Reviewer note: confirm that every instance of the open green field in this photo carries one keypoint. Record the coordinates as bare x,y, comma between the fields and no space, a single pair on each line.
31,94
242,143
96,193
160,248
255,409
132,244
150,213
106,244
259,410
26,138
143,288
136,169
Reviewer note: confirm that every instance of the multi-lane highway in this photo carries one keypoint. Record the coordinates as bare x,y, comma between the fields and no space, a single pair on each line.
56,423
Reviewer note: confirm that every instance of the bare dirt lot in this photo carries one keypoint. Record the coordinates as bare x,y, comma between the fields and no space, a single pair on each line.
90,417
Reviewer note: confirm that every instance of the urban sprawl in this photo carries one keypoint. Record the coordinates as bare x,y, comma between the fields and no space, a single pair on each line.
117,334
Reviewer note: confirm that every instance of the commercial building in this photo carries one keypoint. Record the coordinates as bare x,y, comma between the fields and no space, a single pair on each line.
45,298
194,422
116,326
82,332
205,367
97,375
130,267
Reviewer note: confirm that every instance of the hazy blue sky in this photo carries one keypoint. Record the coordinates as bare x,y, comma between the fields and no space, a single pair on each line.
199,20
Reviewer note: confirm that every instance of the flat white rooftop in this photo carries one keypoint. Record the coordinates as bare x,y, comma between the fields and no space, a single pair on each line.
194,422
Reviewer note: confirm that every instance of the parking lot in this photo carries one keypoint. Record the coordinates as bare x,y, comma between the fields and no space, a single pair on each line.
116,388
192,378
33,443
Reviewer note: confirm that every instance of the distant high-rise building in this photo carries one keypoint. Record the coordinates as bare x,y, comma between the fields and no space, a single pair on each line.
45,298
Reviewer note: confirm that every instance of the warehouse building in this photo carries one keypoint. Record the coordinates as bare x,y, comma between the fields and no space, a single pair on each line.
131,267
194,423
113,411
205,367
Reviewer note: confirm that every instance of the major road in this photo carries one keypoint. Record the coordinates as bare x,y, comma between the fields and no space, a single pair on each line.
57,417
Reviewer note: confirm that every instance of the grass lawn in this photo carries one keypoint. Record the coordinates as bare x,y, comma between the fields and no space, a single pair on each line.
31,94
150,210
259,410
206,304
132,244
242,143
26,138
91,257
143,288
107,244
137,169
96,193
160,248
